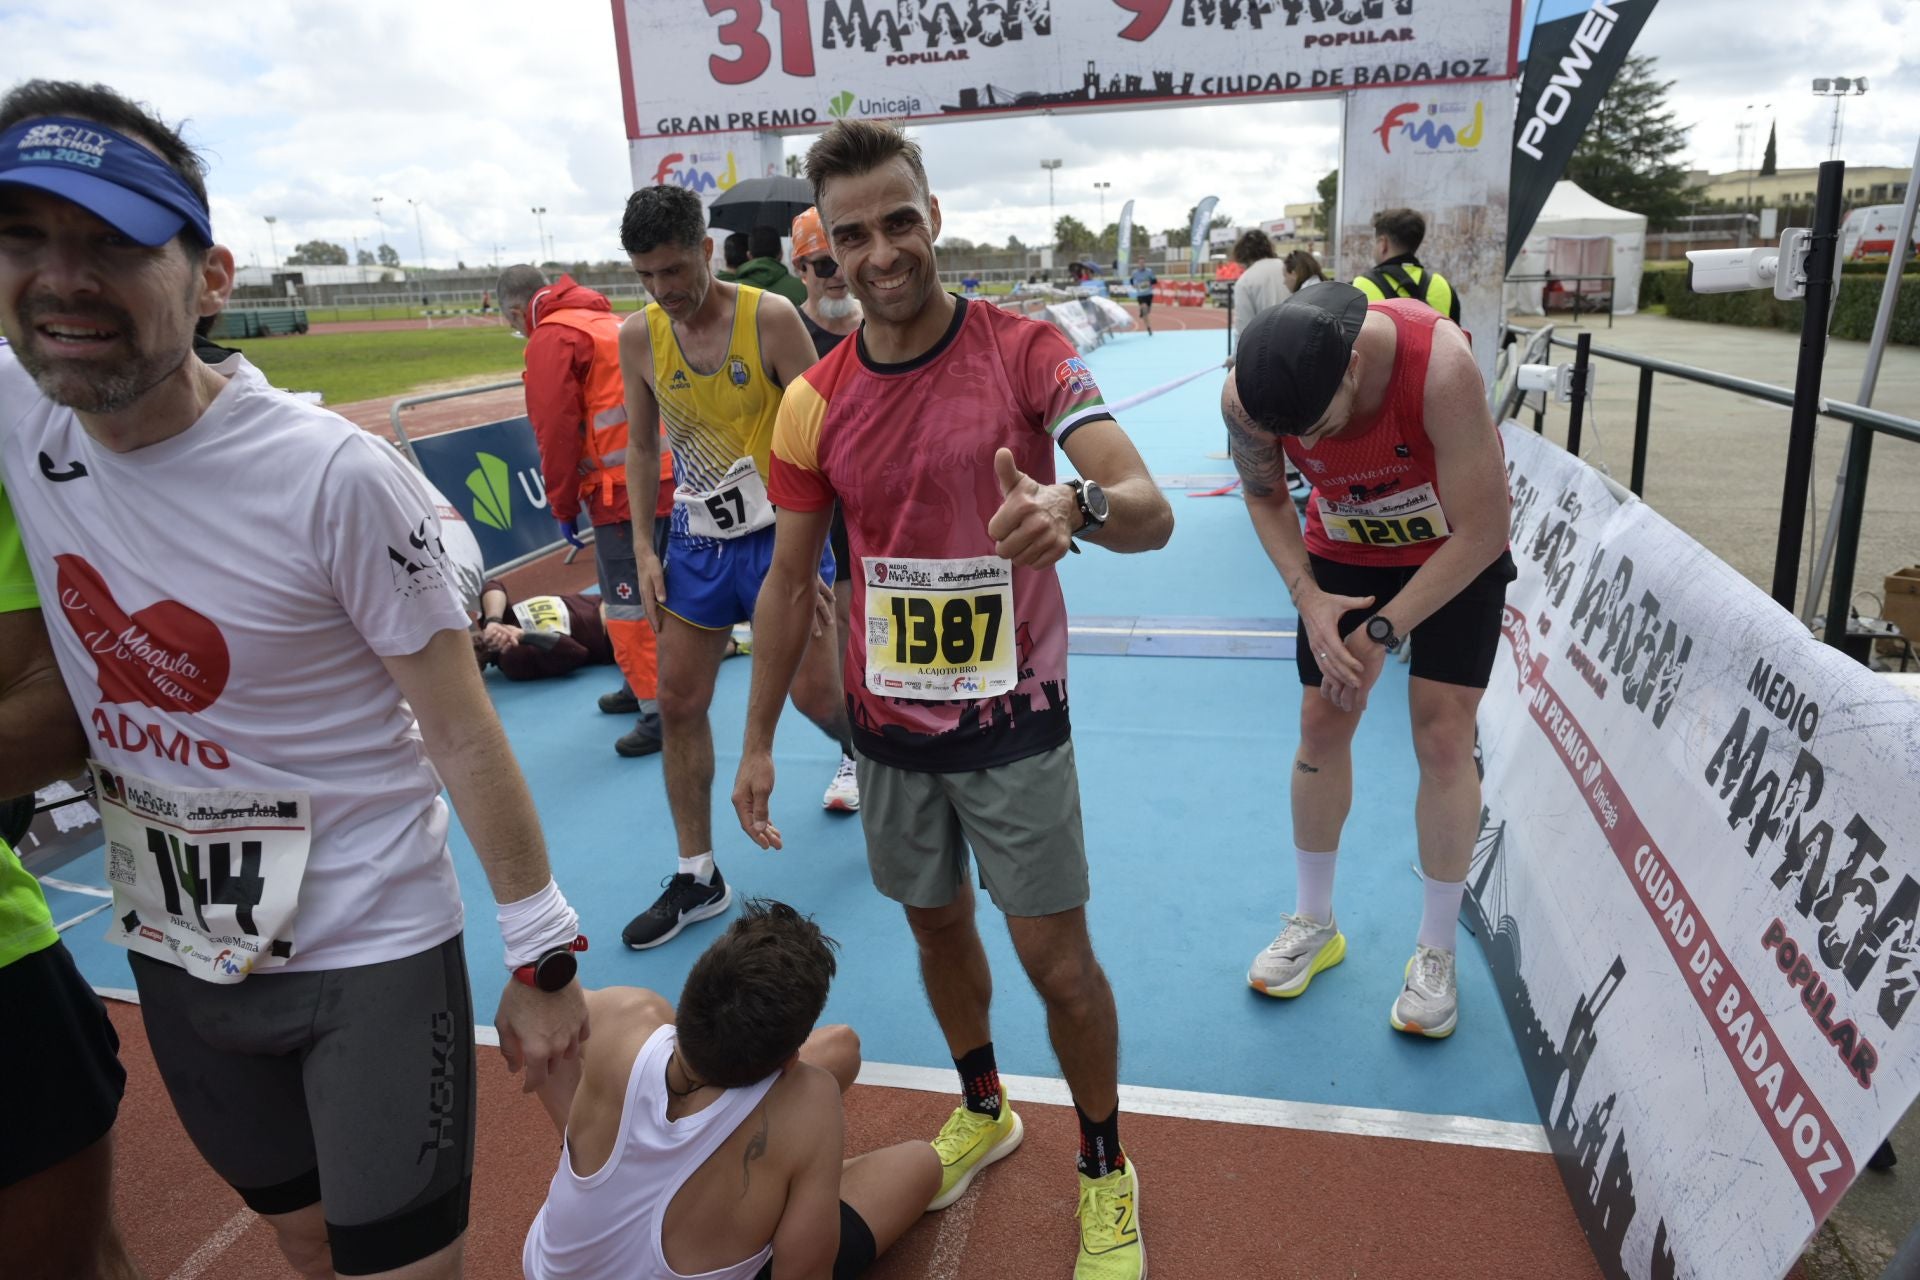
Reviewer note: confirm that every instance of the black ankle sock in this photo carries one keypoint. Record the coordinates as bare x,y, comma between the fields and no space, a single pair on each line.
1100,1151
980,1080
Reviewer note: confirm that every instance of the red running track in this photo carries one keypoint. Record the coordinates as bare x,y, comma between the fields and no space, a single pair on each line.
1218,1201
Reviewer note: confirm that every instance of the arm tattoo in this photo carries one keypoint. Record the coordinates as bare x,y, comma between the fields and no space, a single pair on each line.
1303,767
756,1147
1256,456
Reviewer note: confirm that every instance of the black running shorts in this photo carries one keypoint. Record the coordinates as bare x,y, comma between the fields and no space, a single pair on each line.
1146,303
357,1079
1455,645
857,1248
60,1072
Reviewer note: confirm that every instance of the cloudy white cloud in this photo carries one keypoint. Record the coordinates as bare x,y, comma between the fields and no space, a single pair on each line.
481,110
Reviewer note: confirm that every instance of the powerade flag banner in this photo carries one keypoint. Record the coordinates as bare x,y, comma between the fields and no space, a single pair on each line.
1197,234
1123,245
1571,63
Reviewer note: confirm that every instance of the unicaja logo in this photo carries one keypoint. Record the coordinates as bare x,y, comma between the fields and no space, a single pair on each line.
492,494
840,104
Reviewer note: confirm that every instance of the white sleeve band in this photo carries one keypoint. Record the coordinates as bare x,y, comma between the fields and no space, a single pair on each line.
534,926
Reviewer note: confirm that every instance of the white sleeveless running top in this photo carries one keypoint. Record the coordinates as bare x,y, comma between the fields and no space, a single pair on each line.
608,1225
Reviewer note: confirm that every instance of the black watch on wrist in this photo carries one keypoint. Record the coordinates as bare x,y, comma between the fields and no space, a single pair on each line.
1092,501
555,969
1381,632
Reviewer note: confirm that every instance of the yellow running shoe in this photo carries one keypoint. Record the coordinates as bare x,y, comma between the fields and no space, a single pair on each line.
1110,1247
968,1143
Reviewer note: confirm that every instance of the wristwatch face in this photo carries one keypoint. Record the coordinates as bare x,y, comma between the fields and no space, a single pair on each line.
1095,500
1380,631
555,970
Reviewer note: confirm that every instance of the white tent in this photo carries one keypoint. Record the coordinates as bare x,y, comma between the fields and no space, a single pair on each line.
1579,235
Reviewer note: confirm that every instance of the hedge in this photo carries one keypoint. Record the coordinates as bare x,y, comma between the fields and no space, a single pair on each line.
1860,286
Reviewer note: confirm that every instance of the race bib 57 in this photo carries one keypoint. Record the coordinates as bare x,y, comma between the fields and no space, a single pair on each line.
735,507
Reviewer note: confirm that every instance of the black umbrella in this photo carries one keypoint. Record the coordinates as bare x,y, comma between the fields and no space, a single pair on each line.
761,202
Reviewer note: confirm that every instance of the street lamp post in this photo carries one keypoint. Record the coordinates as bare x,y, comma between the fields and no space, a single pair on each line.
1101,187
417,230
540,219
382,219
1839,88
1050,166
272,241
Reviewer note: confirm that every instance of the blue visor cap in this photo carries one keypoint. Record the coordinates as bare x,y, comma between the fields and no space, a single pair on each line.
106,173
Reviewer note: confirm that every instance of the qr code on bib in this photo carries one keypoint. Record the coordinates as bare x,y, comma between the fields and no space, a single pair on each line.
879,632
120,864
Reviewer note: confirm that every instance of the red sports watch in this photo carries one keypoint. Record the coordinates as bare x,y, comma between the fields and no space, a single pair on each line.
554,970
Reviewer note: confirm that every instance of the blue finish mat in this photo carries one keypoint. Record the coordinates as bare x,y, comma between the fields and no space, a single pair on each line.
1184,777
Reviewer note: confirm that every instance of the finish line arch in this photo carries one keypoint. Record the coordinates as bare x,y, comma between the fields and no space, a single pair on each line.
1427,88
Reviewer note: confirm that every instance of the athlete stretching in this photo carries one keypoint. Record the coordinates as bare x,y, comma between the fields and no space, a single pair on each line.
1383,409
710,360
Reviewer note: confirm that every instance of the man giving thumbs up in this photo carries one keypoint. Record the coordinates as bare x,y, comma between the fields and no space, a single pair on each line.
935,431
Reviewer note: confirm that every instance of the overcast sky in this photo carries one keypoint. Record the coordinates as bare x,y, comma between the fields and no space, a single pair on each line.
480,110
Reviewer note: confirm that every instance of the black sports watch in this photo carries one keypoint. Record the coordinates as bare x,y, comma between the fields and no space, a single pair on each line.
1381,632
1092,501
554,970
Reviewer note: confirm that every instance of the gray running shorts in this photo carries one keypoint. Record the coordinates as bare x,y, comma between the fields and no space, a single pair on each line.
357,1080
1021,819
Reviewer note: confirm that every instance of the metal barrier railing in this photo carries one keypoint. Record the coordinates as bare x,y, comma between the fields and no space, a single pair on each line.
1865,423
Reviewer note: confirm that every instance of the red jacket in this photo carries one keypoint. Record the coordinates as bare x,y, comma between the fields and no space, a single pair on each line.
559,369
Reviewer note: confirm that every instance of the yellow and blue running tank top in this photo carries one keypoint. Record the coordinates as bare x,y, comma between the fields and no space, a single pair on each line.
714,419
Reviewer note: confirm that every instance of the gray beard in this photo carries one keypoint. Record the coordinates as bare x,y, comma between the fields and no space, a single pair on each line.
103,391
832,308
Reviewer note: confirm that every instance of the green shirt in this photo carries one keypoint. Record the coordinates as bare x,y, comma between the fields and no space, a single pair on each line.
25,924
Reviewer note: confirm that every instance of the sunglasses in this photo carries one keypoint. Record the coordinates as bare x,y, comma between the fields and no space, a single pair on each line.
825,268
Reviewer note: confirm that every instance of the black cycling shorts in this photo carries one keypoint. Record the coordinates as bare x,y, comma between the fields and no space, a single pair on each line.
360,1080
1455,645
61,1073
857,1248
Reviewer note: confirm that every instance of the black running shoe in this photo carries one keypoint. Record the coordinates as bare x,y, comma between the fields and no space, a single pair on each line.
641,740
620,702
684,902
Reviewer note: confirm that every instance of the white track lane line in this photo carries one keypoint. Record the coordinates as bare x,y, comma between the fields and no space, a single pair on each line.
217,1243
1184,1104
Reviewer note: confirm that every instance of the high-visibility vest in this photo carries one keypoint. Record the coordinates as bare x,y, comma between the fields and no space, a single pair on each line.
1410,280
603,459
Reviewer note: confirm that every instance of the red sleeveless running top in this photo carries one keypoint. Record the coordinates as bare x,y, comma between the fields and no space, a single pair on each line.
1376,498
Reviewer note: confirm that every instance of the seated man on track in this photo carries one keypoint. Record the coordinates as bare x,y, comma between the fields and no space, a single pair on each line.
708,1142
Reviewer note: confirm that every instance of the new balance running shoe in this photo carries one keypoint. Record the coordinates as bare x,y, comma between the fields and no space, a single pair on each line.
684,901
1429,1003
843,793
1304,948
968,1143
1109,1213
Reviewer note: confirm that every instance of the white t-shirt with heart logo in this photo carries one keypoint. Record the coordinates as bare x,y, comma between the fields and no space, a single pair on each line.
219,605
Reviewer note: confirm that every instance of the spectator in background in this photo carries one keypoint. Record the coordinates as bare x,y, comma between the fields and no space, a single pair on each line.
734,254
1143,280
1301,269
577,404
1397,273
1262,283
764,269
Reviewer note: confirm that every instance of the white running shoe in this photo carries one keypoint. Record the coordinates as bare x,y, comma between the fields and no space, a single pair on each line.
1304,948
843,793
1429,1003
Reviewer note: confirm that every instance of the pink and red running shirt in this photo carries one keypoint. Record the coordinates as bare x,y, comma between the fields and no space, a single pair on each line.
908,451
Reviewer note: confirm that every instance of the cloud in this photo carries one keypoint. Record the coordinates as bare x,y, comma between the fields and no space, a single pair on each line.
481,112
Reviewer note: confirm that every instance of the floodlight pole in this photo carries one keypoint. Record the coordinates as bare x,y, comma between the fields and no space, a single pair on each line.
272,240
1051,166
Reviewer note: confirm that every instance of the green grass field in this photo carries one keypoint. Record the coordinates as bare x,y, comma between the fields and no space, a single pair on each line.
360,366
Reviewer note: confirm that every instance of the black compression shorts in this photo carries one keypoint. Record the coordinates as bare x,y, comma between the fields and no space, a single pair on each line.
61,1073
1455,645
857,1248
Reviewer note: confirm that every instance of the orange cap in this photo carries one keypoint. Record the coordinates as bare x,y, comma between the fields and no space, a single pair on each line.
809,237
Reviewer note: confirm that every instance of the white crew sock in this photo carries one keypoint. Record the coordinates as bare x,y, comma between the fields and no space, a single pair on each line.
700,868
1313,891
1441,913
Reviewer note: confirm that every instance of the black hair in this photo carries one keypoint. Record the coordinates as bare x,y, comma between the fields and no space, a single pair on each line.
734,251
763,242
1403,228
752,998
662,215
